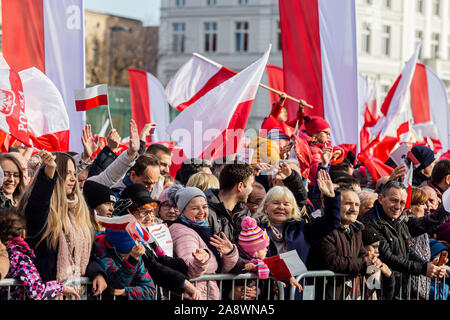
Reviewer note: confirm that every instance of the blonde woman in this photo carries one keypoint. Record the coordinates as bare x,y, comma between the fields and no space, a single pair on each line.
59,228
203,181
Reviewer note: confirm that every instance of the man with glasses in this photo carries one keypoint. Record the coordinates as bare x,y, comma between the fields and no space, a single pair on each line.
395,229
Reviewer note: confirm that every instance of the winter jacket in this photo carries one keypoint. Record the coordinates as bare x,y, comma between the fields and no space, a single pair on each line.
186,241
342,251
115,171
103,159
129,274
220,218
4,261
22,268
167,272
395,239
36,214
419,178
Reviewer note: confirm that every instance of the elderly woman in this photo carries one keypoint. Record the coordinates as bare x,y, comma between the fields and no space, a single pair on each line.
367,199
194,241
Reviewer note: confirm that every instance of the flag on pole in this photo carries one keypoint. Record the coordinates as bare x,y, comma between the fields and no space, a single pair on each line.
92,97
194,79
408,183
275,81
367,109
320,62
49,35
213,126
149,103
48,120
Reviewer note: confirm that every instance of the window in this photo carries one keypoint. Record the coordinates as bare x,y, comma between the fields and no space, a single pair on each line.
419,6
435,45
437,7
210,36
179,37
369,2
386,36
211,2
388,4
243,2
241,36
366,35
279,45
181,3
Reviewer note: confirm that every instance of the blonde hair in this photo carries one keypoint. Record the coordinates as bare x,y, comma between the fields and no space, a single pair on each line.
57,220
203,181
279,193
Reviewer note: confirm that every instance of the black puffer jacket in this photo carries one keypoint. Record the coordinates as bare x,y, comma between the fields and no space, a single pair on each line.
395,243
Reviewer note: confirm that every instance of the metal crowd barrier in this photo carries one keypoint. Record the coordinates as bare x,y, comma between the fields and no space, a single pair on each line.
317,285
162,294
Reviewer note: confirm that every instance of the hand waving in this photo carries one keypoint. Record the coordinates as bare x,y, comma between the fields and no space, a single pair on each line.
325,184
134,143
223,244
88,142
48,160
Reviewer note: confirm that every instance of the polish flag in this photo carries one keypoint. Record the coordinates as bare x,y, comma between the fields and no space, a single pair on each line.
92,97
320,62
48,119
429,107
408,183
49,35
194,79
214,126
127,223
149,103
394,108
13,120
367,109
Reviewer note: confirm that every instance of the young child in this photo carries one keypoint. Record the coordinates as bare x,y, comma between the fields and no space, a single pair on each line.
371,241
22,267
254,241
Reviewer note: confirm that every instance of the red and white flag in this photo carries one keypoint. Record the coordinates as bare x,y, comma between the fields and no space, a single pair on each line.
394,108
429,107
149,103
214,125
13,119
92,97
320,62
408,183
194,79
127,223
48,120
49,35
368,112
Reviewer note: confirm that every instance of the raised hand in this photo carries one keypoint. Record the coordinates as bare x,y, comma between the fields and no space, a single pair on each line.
147,130
399,173
284,171
325,184
49,160
137,251
134,142
223,244
113,139
88,142
327,155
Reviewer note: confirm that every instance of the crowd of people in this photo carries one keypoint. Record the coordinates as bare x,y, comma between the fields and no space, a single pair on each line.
224,217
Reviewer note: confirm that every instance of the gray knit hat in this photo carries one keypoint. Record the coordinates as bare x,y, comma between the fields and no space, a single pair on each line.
182,195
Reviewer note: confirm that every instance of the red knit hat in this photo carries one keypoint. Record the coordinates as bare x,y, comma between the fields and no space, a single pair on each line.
315,124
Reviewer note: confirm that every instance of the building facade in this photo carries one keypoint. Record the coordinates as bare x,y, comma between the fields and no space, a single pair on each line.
235,33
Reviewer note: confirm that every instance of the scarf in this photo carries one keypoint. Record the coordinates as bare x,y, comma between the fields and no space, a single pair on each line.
73,249
205,232
261,268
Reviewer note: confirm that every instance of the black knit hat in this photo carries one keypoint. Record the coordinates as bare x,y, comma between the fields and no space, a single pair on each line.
96,193
369,235
424,155
139,195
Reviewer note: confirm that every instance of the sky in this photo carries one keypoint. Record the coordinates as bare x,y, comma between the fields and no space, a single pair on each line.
145,10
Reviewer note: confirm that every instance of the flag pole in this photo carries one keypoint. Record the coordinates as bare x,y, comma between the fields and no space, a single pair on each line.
302,102
109,111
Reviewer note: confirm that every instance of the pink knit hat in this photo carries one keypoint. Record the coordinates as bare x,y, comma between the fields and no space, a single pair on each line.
252,238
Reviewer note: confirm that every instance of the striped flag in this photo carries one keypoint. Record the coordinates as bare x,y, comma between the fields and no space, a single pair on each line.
127,223
194,79
408,183
49,35
320,62
149,103
92,97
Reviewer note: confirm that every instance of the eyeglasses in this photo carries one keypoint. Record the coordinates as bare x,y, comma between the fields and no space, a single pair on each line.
11,174
167,204
147,209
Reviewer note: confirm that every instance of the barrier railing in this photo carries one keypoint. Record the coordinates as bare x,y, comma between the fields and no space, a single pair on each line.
328,285
162,294
317,285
